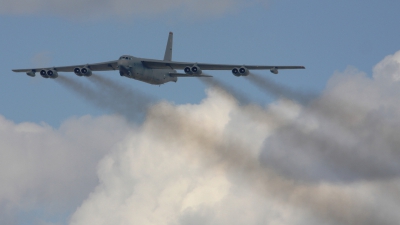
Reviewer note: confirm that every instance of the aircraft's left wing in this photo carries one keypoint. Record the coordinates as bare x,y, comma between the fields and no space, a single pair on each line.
104,66
160,64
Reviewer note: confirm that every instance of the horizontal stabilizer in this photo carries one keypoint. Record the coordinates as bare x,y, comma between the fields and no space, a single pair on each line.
187,75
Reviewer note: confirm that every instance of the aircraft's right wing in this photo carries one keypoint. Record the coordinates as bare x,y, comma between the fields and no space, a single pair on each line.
160,64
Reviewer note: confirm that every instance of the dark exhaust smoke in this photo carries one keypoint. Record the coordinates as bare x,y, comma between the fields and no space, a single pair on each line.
107,94
279,91
231,154
218,85
337,111
127,99
345,146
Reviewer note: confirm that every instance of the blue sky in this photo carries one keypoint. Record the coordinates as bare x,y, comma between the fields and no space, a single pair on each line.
324,36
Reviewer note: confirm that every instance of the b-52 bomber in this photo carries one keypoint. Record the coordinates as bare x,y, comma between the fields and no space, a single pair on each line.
152,71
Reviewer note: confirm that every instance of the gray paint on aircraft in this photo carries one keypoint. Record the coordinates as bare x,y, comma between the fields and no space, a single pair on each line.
152,71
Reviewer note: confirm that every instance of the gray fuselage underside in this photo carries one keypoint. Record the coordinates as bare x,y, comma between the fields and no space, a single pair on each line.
133,67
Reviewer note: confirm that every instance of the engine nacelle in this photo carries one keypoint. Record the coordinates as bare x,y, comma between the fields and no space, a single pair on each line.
43,73
30,73
86,72
52,74
188,70
244,71
274,70
236,72
196,70
193,70
77,71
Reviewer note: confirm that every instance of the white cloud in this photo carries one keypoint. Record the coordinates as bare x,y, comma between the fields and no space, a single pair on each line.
198,164
122,8
388,68
171,172
53,168
333,161
354,134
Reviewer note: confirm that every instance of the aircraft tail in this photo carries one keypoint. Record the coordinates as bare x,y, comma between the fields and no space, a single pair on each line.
168,49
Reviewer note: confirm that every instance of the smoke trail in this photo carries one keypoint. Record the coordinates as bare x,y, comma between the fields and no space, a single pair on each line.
270,87
232,154
85,91
339,111
117,98
215,83
329,154
337,143
127,100
340,160
345,161
336,148
251,110
336,110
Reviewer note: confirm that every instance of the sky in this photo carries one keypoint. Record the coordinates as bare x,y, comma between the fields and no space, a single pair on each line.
313,146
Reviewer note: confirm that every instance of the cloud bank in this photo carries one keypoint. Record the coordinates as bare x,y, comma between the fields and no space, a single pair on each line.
122,8
351,130
220,161
53,169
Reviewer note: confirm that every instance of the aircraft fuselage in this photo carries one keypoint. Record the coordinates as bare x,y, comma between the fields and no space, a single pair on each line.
133,67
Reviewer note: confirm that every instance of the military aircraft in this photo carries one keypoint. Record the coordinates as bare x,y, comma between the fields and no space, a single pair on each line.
152,71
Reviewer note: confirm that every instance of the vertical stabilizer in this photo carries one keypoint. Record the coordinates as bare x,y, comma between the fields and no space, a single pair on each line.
168,50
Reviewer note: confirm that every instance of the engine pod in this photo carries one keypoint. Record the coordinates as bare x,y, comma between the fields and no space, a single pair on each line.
244,71
77,71
196,70
43,73
86,71
188,70
52,74
235,71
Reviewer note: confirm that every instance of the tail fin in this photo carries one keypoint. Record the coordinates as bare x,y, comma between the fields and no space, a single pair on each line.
168,50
